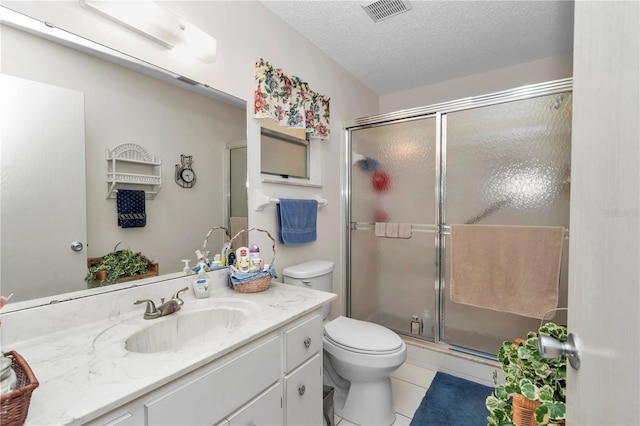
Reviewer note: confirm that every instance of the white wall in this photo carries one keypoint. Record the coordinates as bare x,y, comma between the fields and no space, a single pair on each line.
245,32
539,71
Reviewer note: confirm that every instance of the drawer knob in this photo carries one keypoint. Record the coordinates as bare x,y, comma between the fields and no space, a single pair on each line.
301,390
307,342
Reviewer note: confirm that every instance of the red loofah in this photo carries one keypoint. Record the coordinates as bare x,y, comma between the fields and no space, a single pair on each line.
380,181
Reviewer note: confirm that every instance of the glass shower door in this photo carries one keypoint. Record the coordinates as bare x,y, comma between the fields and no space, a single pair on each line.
393,184
506,164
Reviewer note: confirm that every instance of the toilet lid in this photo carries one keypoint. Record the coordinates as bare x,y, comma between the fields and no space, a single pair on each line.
362,335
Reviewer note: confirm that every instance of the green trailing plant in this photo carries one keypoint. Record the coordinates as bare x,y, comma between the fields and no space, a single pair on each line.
528,374
119,264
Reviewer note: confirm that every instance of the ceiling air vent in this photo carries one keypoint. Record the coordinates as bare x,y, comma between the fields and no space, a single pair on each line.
383,9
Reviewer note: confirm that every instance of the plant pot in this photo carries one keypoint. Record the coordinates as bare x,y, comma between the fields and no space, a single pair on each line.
102,275
524,411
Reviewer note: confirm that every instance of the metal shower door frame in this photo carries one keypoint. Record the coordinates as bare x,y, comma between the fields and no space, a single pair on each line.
439,111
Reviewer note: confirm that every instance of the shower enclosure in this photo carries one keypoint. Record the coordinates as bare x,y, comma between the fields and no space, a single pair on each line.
499,159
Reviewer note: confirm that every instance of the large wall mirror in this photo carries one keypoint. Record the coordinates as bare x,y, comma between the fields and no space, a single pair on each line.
71,103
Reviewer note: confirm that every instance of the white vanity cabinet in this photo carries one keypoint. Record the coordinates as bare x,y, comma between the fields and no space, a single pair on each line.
274,380
303,372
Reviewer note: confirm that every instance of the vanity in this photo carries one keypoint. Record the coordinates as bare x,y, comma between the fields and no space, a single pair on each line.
231,359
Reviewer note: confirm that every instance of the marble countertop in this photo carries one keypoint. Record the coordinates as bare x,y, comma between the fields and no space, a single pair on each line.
86,371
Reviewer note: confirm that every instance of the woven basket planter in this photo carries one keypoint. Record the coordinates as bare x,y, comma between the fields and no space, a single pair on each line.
14,406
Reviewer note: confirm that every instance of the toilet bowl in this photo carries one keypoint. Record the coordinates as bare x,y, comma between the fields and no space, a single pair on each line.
359,356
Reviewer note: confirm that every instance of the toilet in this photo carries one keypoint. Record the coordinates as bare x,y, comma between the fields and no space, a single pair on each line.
359,356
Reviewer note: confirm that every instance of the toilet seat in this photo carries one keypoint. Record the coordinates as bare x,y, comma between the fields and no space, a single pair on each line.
362,337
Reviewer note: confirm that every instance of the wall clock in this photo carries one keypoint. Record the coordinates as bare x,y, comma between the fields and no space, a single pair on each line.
185,176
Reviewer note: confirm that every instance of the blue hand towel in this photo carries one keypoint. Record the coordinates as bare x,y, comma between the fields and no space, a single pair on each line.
296,220
131,209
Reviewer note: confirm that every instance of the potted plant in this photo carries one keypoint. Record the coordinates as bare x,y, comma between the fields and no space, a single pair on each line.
530,379
120,265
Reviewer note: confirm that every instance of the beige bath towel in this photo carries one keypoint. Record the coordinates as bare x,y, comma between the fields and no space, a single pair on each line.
512,269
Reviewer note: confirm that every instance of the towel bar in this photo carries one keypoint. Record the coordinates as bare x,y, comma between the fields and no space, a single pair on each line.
262,200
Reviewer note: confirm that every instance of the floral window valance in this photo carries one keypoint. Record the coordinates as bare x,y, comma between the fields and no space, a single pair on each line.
289,101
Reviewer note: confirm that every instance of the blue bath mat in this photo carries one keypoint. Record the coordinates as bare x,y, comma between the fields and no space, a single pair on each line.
451,401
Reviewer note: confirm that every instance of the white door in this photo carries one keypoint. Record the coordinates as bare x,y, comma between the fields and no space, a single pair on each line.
604,287
42,156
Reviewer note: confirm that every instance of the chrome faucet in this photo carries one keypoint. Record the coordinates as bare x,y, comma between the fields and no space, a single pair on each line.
166,308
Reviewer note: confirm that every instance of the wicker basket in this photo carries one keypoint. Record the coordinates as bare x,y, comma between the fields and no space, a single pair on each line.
14,406
206,238
260,283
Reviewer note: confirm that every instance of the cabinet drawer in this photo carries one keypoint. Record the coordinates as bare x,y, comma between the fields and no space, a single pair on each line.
128,415
209,398
265,410
303,394
302,341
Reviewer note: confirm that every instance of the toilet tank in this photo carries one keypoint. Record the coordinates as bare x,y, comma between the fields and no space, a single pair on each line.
316,274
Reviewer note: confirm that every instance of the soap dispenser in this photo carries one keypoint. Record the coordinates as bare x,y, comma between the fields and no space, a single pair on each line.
187,269
201,283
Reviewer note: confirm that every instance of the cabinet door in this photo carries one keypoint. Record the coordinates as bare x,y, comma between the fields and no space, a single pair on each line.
265,410
302,341
303,394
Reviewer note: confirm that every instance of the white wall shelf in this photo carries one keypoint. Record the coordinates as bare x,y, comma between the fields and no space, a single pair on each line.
129,165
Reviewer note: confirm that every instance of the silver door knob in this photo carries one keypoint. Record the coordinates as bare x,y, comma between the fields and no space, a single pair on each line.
307,342
76,246
301,390
552,348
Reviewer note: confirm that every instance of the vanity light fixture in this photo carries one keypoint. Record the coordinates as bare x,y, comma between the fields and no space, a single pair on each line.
148,18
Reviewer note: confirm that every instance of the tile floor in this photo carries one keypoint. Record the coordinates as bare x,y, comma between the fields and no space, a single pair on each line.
409,384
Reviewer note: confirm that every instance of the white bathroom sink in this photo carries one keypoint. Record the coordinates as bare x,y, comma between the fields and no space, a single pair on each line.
181,330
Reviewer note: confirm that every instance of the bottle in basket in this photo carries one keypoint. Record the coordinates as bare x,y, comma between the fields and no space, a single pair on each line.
243,263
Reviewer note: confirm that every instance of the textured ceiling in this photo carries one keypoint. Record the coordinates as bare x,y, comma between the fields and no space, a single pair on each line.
435,40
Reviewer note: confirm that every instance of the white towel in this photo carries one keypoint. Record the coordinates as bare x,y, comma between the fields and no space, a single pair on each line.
393,230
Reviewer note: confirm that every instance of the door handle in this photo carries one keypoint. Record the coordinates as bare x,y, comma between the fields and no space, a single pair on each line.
76,246
552,348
